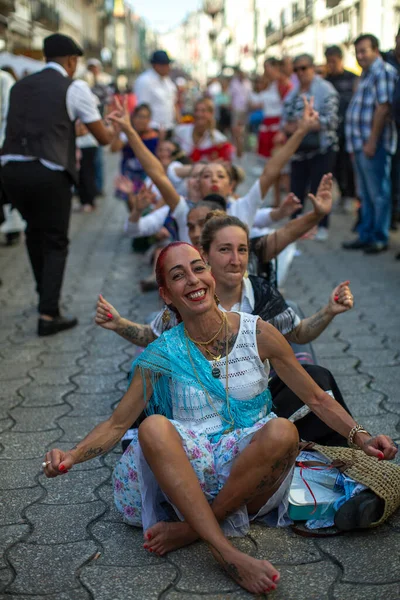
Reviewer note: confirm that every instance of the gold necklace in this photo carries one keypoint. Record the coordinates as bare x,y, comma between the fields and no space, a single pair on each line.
212,339
231,420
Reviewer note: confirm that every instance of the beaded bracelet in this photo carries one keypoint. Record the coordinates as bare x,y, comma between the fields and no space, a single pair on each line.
356,429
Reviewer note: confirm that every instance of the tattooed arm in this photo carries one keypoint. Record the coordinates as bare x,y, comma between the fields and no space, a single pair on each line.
105,435
340,301
109,318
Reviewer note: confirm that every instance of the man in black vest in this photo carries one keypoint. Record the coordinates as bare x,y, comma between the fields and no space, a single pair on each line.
39,166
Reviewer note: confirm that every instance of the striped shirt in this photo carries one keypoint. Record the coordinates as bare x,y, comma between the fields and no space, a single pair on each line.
376,87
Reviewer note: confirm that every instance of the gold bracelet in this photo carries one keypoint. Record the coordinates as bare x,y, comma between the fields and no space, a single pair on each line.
356,429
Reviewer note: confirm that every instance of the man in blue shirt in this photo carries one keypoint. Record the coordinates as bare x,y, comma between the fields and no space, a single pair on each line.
372,139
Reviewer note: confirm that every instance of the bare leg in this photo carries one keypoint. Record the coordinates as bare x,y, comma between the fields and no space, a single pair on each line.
256,475
162,447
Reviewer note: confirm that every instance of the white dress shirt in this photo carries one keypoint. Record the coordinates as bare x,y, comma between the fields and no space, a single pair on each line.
183,134
6,83
81,104
160,93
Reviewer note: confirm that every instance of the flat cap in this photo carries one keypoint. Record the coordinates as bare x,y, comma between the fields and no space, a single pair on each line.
58,44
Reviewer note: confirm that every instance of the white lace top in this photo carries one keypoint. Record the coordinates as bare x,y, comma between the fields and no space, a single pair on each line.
247,377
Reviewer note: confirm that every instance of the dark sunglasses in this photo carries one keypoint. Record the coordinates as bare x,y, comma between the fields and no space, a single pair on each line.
302,68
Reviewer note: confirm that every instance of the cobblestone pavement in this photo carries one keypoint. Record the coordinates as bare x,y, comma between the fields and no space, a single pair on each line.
54,390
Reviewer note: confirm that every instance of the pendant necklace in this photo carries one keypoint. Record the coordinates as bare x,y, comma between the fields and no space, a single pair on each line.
216,371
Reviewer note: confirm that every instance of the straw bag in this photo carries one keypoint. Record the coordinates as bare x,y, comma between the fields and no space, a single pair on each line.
382,477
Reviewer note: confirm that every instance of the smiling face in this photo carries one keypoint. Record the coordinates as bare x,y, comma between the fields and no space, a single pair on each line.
164,153
228,256
365,53
203,114
188,283
141,120
214,179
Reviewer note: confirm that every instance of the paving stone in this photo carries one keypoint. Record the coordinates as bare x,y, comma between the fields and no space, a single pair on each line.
376,359
13,504
6,576
95,365
55,360
21,355
9,388
9,534
46,376
352,384
62,524
122,545
330,350
12,370
366,403
239,595
6,404
119,582
38,419
76,428
358,591
48,569
6,424
93,384
76,487
45,395
283,546
87,404
340,365
355,552
386,424
15,474
362,342
77,594
27,445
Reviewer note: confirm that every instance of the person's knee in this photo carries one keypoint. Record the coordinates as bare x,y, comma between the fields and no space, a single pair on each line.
282,433
154,430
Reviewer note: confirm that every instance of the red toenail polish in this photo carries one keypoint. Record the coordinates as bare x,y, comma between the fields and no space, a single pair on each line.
145,546
275,577
149,536
61,468
336,298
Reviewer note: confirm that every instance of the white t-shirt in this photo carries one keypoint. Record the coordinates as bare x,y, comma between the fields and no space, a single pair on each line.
81,104
183,134
160,93
271,101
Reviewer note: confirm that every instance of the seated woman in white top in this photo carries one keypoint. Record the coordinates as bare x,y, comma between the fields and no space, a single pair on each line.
217,457
201,140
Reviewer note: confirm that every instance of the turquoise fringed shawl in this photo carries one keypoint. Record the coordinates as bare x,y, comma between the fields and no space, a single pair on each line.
167,364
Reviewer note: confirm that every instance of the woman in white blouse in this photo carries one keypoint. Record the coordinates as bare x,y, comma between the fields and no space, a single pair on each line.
201,140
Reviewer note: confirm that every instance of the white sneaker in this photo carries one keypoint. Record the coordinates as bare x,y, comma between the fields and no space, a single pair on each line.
322,234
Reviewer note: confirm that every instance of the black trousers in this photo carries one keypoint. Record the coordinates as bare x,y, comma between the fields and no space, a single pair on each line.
343,171
306,175
43,198
310,428
87,188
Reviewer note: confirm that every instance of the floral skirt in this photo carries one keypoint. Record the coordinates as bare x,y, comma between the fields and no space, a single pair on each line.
142,503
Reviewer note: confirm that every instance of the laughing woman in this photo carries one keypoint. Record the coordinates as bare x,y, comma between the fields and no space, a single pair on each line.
217,455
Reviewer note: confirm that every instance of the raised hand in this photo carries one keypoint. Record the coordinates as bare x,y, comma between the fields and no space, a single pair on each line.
121,116
123,184
289,206
341,299
310,118
106,315
322,201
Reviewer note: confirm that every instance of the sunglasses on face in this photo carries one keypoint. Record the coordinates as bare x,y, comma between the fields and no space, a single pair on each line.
301,68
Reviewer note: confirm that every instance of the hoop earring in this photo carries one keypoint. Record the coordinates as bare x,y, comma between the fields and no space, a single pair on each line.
166,316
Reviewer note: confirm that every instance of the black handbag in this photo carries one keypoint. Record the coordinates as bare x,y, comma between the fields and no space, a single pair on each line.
310,143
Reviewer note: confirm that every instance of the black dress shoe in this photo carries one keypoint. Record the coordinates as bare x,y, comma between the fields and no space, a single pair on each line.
376,248
355,245
359,512
55,325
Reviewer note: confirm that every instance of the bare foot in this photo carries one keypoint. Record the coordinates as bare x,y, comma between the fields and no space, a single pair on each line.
166,537
255,576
